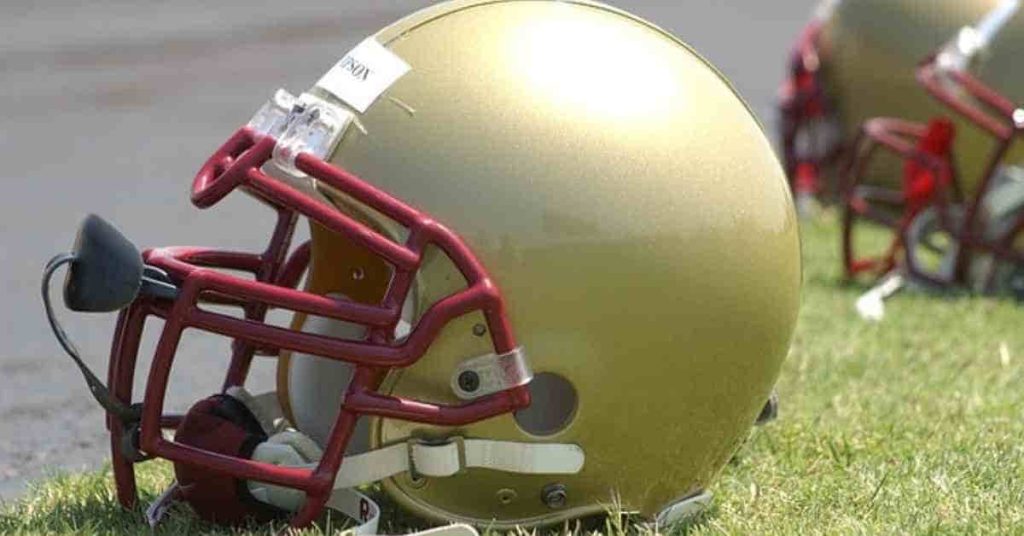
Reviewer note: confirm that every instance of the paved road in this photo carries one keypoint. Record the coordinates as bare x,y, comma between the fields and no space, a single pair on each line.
110,107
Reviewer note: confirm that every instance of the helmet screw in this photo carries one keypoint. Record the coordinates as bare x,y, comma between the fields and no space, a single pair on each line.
479,330
554,496
417,482
469,381
506,496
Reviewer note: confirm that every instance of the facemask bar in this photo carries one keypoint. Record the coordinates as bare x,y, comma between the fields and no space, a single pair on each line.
274,266
983,106
1003,120
929,178
239,163
809,127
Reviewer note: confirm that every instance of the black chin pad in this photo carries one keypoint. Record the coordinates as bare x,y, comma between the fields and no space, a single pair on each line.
106,274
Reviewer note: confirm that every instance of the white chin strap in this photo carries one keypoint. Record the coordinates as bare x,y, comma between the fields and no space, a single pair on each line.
456,455
291,448
294,449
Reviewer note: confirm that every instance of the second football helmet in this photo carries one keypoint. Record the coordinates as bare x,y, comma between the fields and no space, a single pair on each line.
957,220
856,60
554,264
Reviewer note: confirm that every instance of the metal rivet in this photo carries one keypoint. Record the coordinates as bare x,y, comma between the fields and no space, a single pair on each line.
469,381
479,330
416,482
358,274
554,496
506,496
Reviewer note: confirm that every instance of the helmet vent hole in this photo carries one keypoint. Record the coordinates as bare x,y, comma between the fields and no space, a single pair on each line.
553,406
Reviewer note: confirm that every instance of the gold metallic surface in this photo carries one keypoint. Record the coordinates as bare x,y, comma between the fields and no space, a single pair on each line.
873,47
630,208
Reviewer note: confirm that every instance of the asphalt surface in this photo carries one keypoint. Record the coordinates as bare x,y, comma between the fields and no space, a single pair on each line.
110,107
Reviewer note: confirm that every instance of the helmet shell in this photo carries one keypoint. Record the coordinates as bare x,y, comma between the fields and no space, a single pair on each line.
630,208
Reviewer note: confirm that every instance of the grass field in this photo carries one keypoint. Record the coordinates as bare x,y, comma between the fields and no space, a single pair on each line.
914,425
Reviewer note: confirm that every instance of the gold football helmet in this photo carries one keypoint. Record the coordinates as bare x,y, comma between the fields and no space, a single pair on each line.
554,264
857,59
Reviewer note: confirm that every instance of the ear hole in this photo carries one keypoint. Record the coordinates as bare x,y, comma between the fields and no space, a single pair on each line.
553,406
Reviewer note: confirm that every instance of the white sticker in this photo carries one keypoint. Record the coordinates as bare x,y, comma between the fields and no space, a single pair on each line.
364,74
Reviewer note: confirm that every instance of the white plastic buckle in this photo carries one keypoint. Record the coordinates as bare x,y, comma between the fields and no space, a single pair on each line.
460,449
304,124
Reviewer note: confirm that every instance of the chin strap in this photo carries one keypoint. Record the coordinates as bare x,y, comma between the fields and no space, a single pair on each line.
294,449
288,447
445,458
438,460
291,448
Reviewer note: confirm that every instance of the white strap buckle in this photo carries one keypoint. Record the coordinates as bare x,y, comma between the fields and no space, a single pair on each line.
423,460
